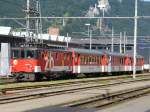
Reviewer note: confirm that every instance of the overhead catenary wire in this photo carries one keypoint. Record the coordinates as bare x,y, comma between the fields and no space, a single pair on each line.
75,17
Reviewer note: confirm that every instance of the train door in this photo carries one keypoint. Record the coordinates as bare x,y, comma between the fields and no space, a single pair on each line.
69,61
127,64
67,58
109,63
49,60
104,63
75,62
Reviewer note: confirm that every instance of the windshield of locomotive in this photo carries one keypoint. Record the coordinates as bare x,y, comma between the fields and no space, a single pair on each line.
23,54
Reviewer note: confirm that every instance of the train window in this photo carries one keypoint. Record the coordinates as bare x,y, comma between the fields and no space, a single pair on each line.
112,60
65,56
37,54
90,59
68,57
57,55
15,54
76,58
99,60
93,60
30,54
82,59
22,54
121,61
85,60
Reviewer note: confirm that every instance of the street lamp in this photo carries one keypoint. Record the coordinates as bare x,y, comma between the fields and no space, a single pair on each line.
88,25
101,7
89,34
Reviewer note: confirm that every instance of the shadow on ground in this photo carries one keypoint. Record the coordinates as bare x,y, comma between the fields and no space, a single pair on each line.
61,109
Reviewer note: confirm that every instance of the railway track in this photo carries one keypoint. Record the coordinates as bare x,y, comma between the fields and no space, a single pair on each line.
6,80
8,87
110,99
59,91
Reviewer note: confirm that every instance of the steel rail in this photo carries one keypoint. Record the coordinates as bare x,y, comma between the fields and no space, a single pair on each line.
68,83
109,99
62,84
17,98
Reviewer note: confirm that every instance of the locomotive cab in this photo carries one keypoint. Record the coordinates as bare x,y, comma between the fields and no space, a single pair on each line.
24,62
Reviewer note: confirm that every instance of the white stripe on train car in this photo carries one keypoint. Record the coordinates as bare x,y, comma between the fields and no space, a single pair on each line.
103,68
93,69
142,67
74,69
79,67
59,68
37,69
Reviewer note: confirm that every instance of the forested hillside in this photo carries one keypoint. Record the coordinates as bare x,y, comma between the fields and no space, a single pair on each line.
14,8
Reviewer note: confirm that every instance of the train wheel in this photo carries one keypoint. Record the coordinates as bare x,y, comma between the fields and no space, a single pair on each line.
38,77
18,77
48,78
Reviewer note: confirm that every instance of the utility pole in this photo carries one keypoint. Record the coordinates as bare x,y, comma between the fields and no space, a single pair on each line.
27,20
67,40
135,38
88,25
149,58
33,25
40,23
120,42
90,39
124,42
112,40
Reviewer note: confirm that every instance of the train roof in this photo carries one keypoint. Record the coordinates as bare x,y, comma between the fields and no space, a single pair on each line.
122,54
101,52
81,51
87,51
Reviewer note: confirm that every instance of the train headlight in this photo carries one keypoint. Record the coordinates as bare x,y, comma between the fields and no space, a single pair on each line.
15,62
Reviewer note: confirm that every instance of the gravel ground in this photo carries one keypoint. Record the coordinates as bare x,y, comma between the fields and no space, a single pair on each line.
137,105
48,102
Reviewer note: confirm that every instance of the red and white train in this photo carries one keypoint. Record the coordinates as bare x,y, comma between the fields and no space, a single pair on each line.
36,63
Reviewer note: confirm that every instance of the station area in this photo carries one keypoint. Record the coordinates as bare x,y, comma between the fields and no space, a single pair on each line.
74,56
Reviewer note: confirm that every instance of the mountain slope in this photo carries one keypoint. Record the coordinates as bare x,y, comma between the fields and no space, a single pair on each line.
9,8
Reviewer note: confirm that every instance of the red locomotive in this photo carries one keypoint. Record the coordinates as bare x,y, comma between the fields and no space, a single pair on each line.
36,63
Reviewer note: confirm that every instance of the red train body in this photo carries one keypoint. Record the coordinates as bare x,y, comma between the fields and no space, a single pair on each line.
37,63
